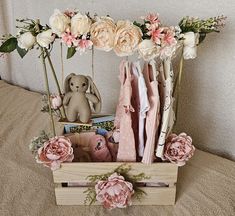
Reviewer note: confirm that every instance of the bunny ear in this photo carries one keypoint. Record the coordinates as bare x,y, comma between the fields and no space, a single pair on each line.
95,91
66,82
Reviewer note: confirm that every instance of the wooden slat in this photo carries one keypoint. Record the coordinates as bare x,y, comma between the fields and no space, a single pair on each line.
155,196
77,172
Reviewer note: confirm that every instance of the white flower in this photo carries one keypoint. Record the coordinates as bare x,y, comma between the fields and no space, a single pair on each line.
127,38
148,50
80,24
103,33
45,38
190,45
59,22
26,40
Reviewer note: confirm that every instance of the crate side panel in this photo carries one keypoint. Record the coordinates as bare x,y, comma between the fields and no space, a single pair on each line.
78,172
155,196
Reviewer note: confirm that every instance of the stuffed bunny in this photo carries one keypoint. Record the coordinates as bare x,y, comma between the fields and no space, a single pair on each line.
77,99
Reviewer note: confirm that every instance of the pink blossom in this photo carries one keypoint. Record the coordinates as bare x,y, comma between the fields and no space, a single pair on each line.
68,38
179,149
56,102
69,12
169,37
55,151
156,35
152,18
82,44
115,192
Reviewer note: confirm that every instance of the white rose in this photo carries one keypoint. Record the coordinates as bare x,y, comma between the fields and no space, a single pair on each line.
45,38
59,22
148,50
102,33
26,40
190,45
127,38
80,24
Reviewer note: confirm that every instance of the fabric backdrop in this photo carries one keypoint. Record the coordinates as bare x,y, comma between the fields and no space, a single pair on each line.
207,103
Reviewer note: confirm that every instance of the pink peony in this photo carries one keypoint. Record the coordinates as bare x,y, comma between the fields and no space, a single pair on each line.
55,151
56,102
179,149
115,192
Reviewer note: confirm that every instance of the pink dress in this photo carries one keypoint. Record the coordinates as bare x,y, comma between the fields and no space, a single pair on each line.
153,115
123,121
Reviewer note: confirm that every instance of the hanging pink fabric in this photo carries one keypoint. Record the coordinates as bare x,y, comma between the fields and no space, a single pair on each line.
135,101
123,121
153,115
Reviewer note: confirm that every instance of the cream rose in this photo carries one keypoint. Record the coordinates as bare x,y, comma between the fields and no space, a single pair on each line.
80,24
127,38
45,38
190,45
59,22
102,33
26,40
148,50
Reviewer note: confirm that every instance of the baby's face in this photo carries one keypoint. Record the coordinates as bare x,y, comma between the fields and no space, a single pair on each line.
78,83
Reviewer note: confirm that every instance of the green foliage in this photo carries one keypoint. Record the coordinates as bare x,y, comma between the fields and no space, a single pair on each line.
203,27
70,52
9,45
143,29
22,52
122,170
38,142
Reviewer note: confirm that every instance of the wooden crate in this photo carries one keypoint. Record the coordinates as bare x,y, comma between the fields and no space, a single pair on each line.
164,174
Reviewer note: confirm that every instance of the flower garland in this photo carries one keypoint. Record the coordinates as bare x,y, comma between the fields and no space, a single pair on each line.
80,32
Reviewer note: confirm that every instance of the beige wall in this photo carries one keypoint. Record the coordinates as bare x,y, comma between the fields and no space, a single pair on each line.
207,104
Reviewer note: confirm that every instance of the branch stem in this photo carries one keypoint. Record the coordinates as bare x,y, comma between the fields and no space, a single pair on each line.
48,90
56,80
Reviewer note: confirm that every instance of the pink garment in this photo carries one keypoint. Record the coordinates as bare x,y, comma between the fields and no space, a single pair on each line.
135,101
153,115
123,121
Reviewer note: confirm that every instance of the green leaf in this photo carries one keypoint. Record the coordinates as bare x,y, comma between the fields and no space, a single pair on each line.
22,52
202,37
9,45
70,52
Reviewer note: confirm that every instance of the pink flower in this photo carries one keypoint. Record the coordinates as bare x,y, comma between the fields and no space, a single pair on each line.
179,149
55,151
156,35
152,18
115,192
56,102
70,13
68,38
169,37
83,44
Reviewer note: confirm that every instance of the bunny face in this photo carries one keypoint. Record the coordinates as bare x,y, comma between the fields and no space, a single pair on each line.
78,83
